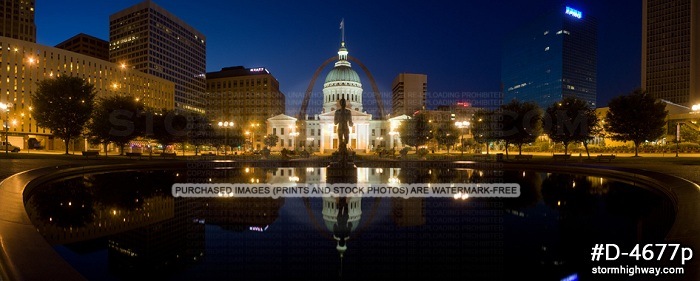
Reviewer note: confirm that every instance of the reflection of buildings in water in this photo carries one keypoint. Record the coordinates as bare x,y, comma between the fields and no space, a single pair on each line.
240,214
107,221
154,249
408,212
225,174
285,175
598,185
314,175
333,218
331,210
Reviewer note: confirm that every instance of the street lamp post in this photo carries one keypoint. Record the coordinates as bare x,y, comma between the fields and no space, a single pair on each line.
294,139
393,140
678,136
6,107
247,140
311,145
462,125
225,125
254,130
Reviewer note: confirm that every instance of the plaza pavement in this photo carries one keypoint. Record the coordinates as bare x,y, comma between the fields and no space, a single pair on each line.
686,228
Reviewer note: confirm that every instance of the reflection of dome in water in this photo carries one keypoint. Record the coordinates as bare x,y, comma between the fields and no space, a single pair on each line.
337,223
330,211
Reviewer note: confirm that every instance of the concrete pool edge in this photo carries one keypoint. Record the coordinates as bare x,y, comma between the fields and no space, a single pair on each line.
24,250
24,253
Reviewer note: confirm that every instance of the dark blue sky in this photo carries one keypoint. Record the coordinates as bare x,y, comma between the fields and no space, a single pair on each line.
458,45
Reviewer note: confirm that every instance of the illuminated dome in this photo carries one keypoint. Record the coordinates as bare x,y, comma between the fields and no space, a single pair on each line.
342,73
342,82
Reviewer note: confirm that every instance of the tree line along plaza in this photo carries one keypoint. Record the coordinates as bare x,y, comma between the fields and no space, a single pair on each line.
450,190
466,95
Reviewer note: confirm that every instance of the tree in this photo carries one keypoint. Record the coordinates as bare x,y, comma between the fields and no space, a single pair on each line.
271,140
688,134
415,131
521,123
595,131
447,134
635,117
115,119
235,137
201,132
570,120
484,127
63,105
169,128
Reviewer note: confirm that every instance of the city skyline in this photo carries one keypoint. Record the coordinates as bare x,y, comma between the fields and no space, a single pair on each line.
457,45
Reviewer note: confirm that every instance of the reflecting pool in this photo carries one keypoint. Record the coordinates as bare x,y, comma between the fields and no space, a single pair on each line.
127,225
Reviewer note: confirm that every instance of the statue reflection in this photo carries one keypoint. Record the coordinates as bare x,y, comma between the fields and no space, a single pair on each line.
342,214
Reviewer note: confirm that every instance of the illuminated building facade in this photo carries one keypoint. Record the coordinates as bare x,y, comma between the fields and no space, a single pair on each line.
18,19
458,112
23,64
150,39
552,57
408,93
319,133
86,45
246,96
671,50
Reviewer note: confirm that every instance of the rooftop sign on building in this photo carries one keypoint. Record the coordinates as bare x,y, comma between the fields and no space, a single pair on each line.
573,12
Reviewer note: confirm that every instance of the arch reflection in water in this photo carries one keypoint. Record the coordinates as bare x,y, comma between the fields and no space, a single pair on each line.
129,225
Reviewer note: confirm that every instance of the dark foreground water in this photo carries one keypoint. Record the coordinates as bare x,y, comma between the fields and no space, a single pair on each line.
127,226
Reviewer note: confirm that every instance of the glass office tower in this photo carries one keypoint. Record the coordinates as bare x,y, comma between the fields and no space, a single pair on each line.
552,57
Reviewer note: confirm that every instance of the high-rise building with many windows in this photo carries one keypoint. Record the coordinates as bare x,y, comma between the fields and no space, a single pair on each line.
86,45
148,38
408,93
671,50
552,57
23,64
245,96
18,19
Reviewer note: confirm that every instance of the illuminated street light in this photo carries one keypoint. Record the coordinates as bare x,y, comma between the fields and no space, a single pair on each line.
311,142
393,142
254,130
462,125
6,107
247,135
225,125
294,139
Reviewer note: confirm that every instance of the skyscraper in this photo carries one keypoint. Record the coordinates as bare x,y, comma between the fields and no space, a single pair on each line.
408,93
18,19
552,57
246,96
86,45
671,50
149,38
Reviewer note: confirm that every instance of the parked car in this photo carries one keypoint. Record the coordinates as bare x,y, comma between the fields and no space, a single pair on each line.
9,147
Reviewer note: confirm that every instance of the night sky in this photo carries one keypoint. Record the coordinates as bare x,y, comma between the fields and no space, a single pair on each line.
458,45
